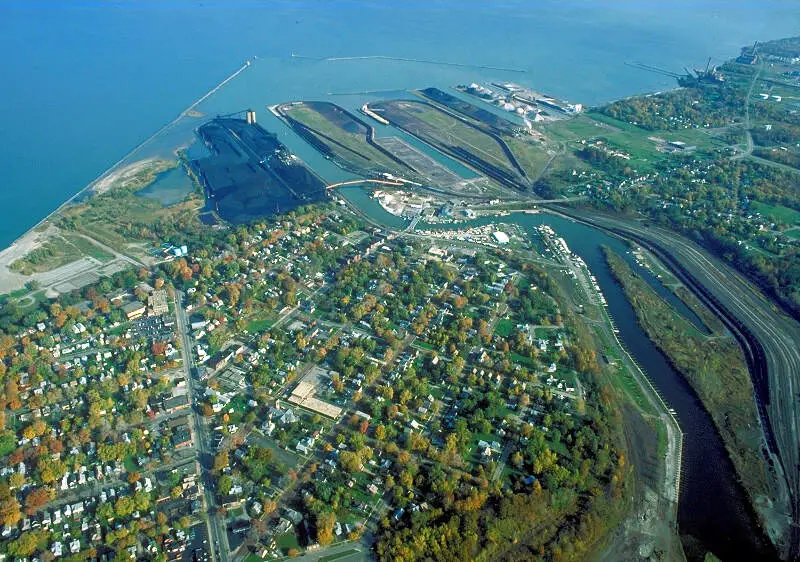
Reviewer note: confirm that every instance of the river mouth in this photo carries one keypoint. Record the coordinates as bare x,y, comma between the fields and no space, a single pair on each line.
714,514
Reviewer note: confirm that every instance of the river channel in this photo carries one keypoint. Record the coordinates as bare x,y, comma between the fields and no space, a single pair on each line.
713,512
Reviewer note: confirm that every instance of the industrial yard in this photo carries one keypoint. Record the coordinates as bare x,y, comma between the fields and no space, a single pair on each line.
250,174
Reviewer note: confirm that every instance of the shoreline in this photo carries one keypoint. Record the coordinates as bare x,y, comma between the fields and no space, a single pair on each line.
111,169
189,112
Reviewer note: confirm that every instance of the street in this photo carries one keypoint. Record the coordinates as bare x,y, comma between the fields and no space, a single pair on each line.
201,440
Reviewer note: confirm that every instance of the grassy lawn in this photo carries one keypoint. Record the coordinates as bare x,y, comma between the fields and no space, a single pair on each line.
517,358
532,157
19,293
793,233
339,555
354,141
778,213
261,321
88,249
455,132
287,541
104,234
504,328
577,128
423,344
627,137
632,388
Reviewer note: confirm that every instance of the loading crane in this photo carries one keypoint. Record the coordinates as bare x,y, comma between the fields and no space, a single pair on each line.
692,78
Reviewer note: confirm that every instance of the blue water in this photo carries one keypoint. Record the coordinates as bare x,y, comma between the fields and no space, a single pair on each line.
85,82
170,187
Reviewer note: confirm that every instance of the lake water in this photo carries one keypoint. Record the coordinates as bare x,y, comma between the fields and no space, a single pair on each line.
85,82
171,186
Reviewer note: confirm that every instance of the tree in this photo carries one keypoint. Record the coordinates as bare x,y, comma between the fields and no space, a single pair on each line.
224,485
351,462
141,500
10,513
221,460
27,543
325,523
16,480
105,511
124,507
36,500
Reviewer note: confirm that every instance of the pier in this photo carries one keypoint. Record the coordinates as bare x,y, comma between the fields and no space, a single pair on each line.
421,61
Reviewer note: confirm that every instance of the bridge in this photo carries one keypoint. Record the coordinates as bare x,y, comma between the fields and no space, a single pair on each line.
357,182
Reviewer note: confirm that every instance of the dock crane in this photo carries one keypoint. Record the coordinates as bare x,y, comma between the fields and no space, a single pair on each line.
692,78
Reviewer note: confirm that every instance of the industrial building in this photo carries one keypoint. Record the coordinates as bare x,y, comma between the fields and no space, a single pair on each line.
500,237
134,310
157,302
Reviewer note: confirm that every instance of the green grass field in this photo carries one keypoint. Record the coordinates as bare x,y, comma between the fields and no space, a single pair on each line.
88,249
457,133
57,251
532,157
261,321
793,233
339,555
778,213
627,137
371,158
504,328
287,541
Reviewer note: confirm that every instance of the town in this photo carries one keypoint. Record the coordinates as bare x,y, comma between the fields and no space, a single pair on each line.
282,389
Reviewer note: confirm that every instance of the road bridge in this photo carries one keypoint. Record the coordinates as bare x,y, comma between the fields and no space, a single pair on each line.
395,183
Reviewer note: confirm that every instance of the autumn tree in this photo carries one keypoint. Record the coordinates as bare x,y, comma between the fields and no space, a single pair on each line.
324,523
10,513
36,500
221,460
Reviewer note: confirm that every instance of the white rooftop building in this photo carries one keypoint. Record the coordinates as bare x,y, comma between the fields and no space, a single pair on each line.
501,237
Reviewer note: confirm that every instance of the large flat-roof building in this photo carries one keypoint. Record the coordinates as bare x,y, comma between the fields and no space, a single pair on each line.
303,395
157,302
501,237
134,310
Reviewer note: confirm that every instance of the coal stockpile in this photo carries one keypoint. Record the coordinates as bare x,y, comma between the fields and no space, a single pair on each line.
465,108
251,174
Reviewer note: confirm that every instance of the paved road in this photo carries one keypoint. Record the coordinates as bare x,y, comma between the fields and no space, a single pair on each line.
216,524
749,149
772,347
